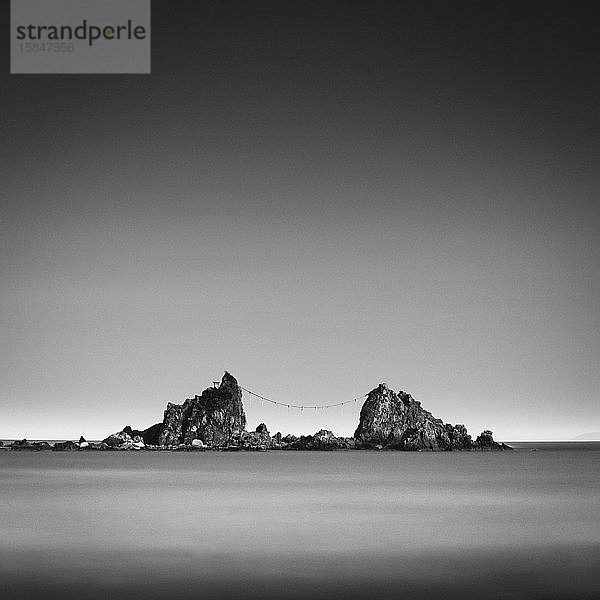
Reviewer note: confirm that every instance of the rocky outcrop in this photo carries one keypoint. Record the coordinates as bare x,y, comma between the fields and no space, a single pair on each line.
398,421
260,439
458,437
122,440
216,420
174,420
322,440
150,436
117,439
216,417
65,446
485,441
25,445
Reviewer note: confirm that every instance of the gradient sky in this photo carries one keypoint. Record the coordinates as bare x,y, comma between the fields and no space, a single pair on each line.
317,197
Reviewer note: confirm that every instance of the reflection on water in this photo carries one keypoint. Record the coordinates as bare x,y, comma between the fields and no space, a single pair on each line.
290,524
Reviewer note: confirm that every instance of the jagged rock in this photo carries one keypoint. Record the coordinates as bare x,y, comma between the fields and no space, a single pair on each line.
138,442
81,440
173,422
276,441
20,444
42,446
216,417
64,446
149,436
322,440
121,438
459,438
25,445
398,421
260,439
485,441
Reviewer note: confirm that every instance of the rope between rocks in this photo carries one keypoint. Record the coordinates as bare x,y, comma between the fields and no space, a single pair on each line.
301,406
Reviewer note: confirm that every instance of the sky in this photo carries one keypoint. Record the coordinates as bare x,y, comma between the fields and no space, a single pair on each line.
317,197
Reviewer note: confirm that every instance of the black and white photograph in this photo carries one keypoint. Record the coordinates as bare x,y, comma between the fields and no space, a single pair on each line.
299,300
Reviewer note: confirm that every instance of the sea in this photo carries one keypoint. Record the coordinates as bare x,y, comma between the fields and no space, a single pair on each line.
522,524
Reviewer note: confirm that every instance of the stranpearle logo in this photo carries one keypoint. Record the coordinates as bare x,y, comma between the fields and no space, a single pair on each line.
80,36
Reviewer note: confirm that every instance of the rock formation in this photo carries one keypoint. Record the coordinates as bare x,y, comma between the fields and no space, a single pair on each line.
485,441
65,446
260,439
149,436
216,420
26,445
216,417
322,440
122,440
398,421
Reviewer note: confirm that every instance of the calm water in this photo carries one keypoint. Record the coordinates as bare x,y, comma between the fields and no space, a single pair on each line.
292,524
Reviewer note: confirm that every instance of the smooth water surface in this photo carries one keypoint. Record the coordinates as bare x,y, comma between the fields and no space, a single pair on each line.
516,524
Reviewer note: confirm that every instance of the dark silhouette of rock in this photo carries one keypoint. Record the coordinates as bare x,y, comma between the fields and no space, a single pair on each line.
41,446
65,446
485,441
173,424
458,436
216,417
149,436
82,440
26,445
398,421
322,440
124,441
260,439
117,439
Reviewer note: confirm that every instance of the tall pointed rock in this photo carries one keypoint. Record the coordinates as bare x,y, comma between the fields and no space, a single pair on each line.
398,421
215,417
